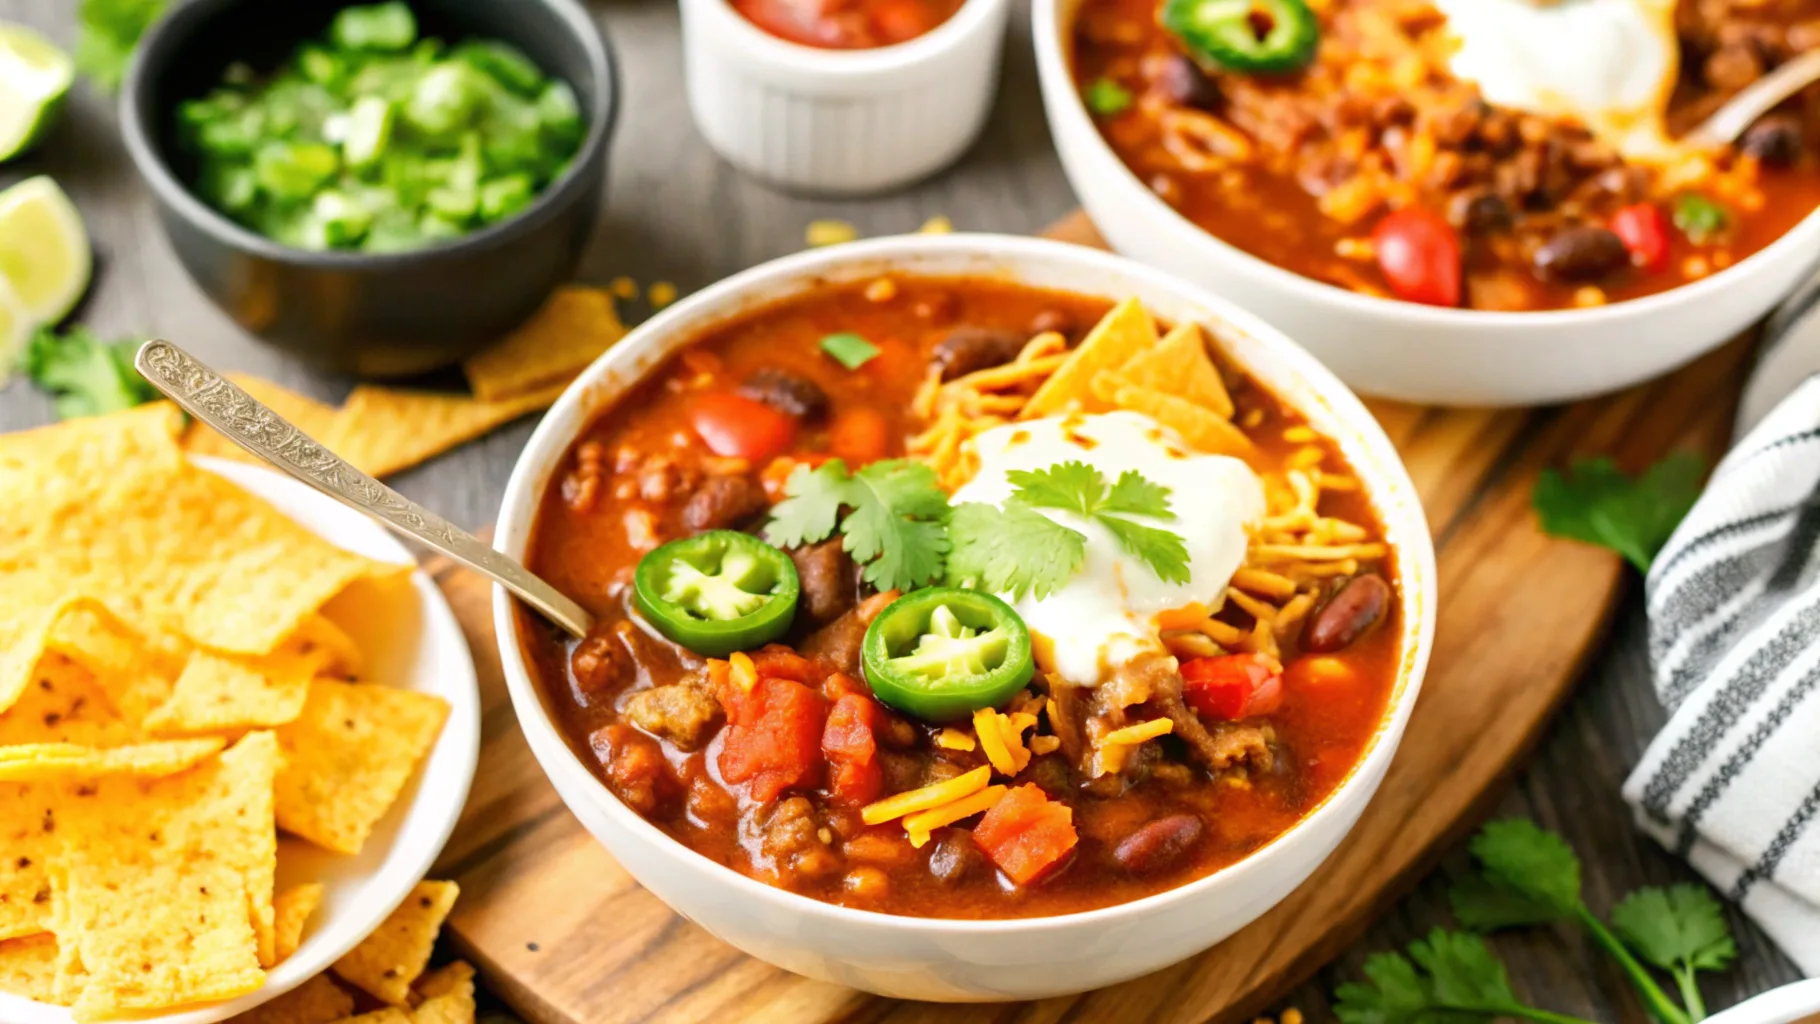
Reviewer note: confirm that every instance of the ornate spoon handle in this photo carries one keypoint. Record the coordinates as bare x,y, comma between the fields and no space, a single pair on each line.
214,400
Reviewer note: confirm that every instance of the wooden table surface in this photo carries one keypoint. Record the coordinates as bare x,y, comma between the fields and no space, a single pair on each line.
676,213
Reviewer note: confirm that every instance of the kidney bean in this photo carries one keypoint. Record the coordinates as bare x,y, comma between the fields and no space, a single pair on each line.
1158,844
1347,614
1584,253
1775,140
786,392
967,349
1479,213
954,857
1183,81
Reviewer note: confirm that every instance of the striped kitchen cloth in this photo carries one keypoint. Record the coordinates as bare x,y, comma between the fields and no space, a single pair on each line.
1732,783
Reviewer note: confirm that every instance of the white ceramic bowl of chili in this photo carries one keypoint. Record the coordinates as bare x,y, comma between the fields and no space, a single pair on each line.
840,122
1394,349
973,960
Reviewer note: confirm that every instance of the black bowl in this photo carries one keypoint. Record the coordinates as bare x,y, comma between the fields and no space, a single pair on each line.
375,315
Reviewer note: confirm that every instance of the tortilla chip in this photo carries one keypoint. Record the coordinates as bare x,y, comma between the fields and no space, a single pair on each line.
341,655
28,967
25,634
1179,365
573,328
1201,428
453,1008
347,757
228,693
391,958
63,703
309,415
381,431
317,1001
29,824
1121,334
457,976
388,1015
46,762
291,910
165,887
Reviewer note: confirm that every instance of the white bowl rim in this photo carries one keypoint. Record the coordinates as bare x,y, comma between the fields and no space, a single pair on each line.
850,66
1798,242
547,442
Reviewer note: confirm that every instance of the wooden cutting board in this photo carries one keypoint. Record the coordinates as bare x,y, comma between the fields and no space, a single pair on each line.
565,936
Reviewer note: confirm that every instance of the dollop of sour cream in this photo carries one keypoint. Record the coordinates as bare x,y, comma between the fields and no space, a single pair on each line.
1610,64
1106,614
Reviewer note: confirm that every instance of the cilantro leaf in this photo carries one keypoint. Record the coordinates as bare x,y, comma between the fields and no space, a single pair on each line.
108,32
1011,550
1079,488
1681,930
895,523
1486,904
1597,503
1448,976
1531,860
87,376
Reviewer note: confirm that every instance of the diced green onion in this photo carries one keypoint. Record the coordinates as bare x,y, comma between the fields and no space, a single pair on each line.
369,131
345,220
1106,97
388,27
560,113
849,349
294,170
443,101
502,197
502,62
1698,217
319,65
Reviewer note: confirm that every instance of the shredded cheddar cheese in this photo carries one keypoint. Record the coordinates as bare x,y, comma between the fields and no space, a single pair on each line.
922,823
745,674
954,739
992,741
940,793
1132,735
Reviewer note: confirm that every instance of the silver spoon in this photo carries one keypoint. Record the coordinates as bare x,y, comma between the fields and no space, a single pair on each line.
1752,102
214,400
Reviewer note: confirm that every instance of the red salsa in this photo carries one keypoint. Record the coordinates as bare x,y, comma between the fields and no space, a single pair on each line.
847,24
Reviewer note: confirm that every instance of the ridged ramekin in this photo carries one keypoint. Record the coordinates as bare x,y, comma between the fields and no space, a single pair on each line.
840,122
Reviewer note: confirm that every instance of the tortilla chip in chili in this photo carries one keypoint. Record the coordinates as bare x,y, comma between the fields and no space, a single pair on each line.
1120,335
1201,428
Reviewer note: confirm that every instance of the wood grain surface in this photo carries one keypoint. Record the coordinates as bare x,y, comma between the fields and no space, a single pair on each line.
569,938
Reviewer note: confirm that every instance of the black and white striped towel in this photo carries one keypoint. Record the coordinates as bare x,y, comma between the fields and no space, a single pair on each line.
1733,781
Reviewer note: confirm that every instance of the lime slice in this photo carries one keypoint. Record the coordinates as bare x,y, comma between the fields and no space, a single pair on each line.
34,78
16,326
44,251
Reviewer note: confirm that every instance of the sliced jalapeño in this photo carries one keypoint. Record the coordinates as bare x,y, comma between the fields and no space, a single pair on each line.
717,592
1245,36
942,653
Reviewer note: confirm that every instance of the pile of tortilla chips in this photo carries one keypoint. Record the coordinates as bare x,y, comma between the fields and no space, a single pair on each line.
382,431
1122,364
172,696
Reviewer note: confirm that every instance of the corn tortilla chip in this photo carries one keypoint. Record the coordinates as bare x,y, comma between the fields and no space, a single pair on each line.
341,655
381,431
1200,427
63,703
309,415
388,1015
1121,334
228,693
347,757
317,1001
28,967
391,958
573,328
291,909
1179,365
29,834
457,976
46,762
454,1008
25,634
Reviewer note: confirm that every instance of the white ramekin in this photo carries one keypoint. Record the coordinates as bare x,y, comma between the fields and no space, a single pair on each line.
954,960
1455,357
840,122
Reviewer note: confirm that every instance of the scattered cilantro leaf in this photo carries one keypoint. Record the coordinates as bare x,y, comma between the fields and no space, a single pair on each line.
1681,930
1486,904
1532,860
87,376
1447,976
1698,217
1106,97
1079,488
848,349
894,523
1012,550
1597,503
108,32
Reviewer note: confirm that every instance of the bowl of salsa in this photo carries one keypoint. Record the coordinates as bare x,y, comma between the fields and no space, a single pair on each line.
978,617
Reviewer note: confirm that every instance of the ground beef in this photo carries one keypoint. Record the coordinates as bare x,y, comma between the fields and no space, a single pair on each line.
723,502
837,644
829,581
684,713
600,663
792,840
635,768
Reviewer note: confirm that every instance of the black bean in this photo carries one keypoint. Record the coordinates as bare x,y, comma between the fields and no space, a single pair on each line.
1775,140
1158,844
1185,84
1353,609
968,349
1479,213
788,393
1584,253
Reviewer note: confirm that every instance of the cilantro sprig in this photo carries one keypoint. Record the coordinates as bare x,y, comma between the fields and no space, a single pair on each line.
1447,975
108,32
88,376
1015,549
1598,503
892,516
1680,929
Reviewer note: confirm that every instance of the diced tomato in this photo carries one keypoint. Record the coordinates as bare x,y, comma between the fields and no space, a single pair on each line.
773,738
899,20
1026,834
1233,686
775,661
735,426
840,684
854,775
859,435
1644,230
1420,256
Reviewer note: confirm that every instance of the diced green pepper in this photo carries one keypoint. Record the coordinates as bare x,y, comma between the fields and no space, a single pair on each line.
294,170
1106,97
344,219
435,228
504,63
387,27
369,131
232,187
456,205
502,197
443,101
320,65
560,113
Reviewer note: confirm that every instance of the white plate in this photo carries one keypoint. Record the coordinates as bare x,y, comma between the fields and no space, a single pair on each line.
410,640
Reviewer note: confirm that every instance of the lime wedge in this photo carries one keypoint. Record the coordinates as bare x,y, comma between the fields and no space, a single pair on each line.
34,78
16,326
44,251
